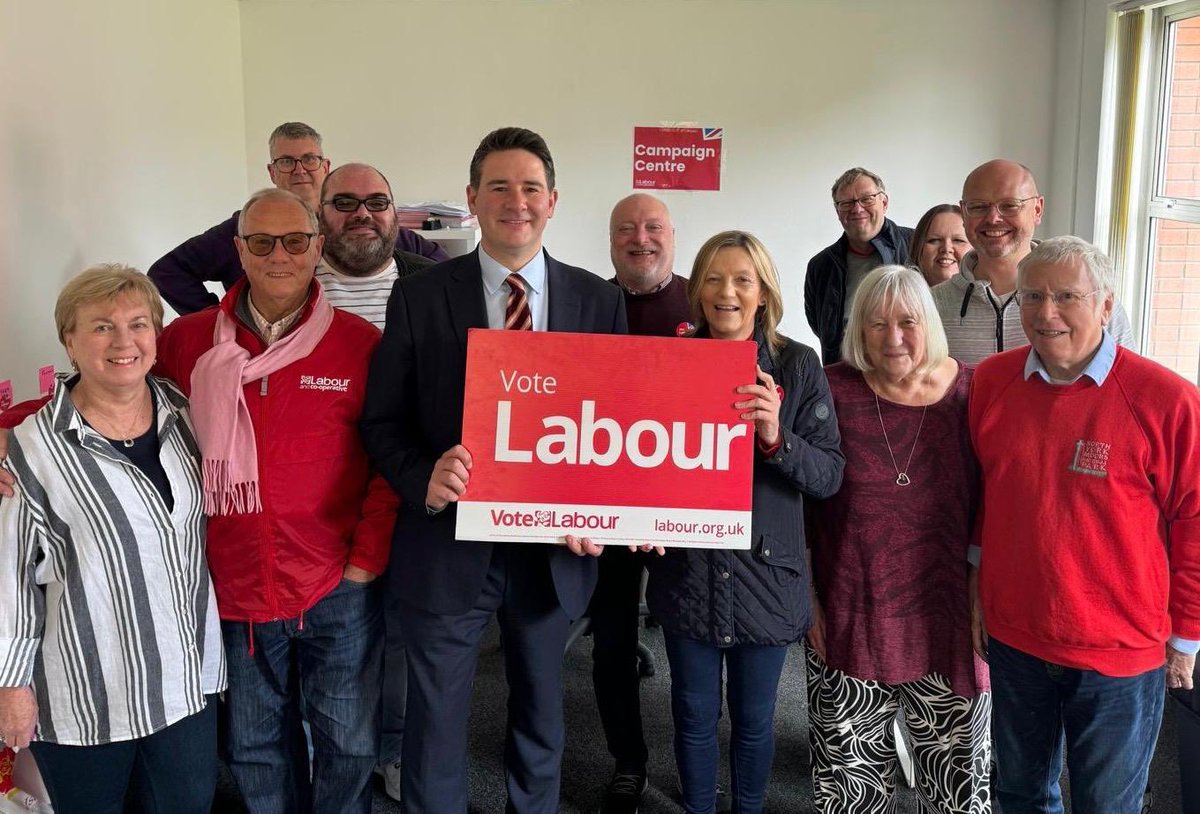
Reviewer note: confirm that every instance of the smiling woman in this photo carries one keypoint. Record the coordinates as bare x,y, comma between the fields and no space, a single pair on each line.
889,552
938,243
107,517
738,611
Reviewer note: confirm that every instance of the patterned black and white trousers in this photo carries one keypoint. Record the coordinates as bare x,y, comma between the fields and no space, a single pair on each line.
854,761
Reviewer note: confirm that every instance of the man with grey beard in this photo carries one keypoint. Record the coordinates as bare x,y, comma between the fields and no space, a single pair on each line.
360,262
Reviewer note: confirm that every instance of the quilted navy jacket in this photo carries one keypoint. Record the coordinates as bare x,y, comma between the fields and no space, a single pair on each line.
761,596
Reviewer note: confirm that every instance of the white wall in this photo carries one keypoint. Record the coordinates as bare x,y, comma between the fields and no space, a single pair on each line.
1079,77
919,91
121,134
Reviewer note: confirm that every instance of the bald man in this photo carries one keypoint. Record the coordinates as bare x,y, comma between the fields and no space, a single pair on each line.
1001,209
360,263
642,247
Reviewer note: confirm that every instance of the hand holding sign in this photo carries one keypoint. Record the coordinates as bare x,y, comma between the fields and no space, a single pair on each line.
449,479
583,546
763,408
574,440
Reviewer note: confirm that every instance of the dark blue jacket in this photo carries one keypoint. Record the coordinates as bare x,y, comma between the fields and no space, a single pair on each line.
825,284
761,596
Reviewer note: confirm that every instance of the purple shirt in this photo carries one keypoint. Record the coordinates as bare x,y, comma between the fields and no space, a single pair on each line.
889,560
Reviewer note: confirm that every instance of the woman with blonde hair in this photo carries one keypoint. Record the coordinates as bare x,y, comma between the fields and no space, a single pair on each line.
739,610
110,645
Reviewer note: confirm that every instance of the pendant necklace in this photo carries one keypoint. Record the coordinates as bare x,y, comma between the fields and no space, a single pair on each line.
127,442
902,478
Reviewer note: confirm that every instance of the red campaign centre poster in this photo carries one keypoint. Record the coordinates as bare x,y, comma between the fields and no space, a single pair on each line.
677,158
623,439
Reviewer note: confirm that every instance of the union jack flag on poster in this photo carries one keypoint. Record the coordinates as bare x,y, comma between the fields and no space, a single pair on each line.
677,157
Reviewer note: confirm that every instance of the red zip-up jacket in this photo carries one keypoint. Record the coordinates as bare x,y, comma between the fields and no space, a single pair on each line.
321,507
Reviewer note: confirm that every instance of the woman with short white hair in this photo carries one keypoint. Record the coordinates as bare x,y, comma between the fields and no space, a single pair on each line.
891,629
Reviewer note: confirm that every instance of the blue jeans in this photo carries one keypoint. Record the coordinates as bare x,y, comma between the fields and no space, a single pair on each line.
753,680
1109,726
175,769
334,652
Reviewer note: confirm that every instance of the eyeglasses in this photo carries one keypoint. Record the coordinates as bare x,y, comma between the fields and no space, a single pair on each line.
348,203
260,245
1007,208
866,202
310,161
1063,300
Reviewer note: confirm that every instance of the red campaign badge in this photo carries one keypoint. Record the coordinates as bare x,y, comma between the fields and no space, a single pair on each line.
779,392
683,328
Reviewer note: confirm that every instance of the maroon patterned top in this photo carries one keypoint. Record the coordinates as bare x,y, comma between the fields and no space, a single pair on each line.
890,561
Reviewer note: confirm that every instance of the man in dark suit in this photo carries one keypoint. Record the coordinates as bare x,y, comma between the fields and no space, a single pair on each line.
412,427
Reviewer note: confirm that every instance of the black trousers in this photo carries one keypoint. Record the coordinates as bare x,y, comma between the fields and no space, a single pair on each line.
614,624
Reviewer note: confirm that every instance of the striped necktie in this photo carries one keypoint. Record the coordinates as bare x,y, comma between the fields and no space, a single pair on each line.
517,316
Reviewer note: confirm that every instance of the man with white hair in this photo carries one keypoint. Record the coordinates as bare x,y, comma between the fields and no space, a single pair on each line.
1086,600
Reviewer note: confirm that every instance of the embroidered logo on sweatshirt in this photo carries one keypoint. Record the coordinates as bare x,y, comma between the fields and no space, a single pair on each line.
324,383
1091,458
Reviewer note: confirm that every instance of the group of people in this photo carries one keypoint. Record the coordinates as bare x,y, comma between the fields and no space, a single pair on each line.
1006,555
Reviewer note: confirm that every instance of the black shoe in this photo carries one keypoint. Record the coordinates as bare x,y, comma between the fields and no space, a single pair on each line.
624,794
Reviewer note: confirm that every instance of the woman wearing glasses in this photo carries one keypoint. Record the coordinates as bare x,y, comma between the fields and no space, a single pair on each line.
891,628
110,645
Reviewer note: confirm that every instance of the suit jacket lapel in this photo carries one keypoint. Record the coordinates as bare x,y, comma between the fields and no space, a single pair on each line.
565,303
464,297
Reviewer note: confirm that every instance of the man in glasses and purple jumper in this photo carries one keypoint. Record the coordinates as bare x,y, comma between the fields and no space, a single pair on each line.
296,165
1001,208
298,530
868,240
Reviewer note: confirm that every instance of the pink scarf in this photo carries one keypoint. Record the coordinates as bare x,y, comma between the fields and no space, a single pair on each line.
224,428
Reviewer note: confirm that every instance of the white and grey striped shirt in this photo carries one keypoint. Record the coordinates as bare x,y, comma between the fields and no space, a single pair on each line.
106,605
366,297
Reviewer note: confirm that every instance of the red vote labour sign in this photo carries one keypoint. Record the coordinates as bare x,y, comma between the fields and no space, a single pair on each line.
623,439
677,157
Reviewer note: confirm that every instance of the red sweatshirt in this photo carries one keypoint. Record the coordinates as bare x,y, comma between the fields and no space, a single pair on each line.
1090,517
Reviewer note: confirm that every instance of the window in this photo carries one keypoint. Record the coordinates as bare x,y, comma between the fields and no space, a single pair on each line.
1155,224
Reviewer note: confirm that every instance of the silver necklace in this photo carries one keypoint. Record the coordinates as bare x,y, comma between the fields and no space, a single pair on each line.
126,442
902,478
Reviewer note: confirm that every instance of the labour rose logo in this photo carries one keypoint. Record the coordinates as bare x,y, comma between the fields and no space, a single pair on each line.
544,517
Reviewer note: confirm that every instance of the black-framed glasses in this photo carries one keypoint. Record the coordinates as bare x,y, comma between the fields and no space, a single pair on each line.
263,244
348,203
310,161
1063,300
866,202
1007,208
